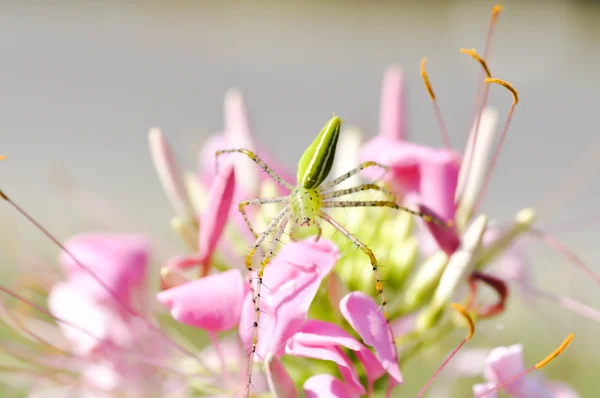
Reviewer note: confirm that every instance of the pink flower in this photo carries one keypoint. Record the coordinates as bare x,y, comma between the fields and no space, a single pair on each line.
427,175
219,302
118,260
92,314
503,363
237,134
324,340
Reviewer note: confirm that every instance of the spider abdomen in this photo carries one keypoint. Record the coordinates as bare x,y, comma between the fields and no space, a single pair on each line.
305,205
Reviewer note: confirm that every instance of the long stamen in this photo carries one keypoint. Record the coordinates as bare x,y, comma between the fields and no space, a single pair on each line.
567,303
438,114
538,365
471,325
97,279
488,176
81,329
574,258
477,119
481,99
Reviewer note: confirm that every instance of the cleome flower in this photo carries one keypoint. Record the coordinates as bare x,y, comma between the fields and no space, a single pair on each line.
308,314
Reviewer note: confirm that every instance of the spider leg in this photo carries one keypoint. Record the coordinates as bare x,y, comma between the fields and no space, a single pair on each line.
282,220
383,203
360,188
260,201
352,172
374,265
319,231
260,164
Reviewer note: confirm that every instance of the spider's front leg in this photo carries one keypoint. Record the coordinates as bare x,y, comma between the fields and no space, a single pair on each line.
254,157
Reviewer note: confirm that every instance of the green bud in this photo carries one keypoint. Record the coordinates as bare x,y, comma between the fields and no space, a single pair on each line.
523,221
423,286
400,264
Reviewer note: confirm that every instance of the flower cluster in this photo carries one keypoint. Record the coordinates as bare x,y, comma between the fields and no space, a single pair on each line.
321,332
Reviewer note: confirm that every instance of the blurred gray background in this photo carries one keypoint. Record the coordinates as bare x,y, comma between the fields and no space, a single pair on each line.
82,82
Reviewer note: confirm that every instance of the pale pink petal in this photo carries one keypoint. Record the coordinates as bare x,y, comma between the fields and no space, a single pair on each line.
283,310
503,363
207,161
446,237
215,217
118,260
402,157
431,173
170,277
439,176
212,303
327,386
238,135
280,382
299,257
365,317
74,306
562,390
321,333
479,389
235,356
392,115
169,174
404,324
328,353
291,282
183,262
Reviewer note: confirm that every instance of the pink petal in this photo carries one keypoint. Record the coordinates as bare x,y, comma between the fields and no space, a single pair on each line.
562,390
328,353
291,282
183,262
327,386
392,123
280,382
283,312
431,173
212,303
439,177
118,260
207,162
215,217
446,238
364,316
73,305
169,174
479,389
238,135
402,157
302,256
320,333
503,363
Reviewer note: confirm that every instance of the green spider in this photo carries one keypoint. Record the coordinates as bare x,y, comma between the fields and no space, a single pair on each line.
304,206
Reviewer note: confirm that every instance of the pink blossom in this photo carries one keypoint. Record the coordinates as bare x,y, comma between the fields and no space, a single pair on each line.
118,260
219,302
503,363
364,316
292,282
327,386
95,324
